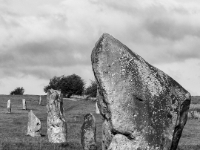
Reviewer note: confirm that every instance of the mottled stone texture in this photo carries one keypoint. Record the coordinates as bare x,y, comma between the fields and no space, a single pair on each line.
88,133
56,125
24,104
8,106
143,108
34,125
106,134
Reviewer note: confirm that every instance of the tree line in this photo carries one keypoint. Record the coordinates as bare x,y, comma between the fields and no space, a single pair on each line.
68,85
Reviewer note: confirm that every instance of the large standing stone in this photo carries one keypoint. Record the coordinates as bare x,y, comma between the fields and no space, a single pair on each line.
56,125
8,106
144,107
24,104
34,125
88,133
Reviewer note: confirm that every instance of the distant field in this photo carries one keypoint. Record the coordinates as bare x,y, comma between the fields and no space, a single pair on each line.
190,139
13,126
195,99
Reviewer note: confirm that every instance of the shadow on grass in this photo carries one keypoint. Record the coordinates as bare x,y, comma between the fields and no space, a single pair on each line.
43,135
41,146
72,145
14,113
189,147
28,109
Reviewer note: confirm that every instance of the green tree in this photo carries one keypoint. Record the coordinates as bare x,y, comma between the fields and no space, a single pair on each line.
91,90
68,85
17,91
54,83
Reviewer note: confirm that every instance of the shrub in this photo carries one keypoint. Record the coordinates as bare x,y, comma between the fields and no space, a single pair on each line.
17,91
68,85
91,90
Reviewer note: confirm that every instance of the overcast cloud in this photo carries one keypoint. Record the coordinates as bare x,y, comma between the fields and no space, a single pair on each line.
42,39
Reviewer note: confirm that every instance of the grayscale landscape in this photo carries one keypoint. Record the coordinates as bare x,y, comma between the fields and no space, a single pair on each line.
99,75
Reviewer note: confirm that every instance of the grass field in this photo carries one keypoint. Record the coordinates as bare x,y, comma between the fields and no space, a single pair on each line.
13,126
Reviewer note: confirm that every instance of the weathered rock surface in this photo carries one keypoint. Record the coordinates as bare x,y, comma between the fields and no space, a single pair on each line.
24,104
143,108
9,106
56,125
34,125
88,133
107,135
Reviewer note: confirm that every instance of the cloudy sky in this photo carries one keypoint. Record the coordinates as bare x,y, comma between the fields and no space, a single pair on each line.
40,39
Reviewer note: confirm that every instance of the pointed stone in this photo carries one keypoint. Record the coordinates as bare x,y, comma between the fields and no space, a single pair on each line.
88,133
56,125
34,125
24,104
8,106
145,108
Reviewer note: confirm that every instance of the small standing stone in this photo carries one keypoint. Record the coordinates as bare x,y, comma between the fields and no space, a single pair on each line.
40,100
88,133
34,125
56,125
9,106
24,104
97,109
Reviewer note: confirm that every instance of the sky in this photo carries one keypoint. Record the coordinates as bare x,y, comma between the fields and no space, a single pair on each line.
41,39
